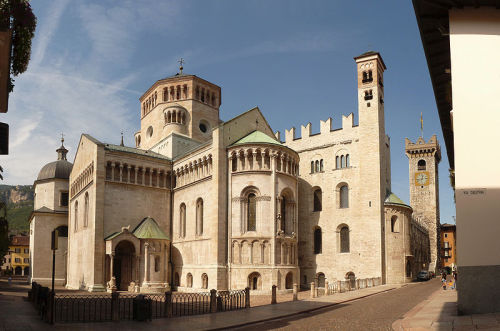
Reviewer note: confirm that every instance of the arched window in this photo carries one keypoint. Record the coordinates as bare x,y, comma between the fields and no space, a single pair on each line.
204,281
199,217
317,200
234,163
347,161
63,231
86,211
344,239
342,158
365,76
421,165
321,165
251,212
76,216
182,220
394,224
337,162
189,280
283,214
344,196
312,167
317,241
317,166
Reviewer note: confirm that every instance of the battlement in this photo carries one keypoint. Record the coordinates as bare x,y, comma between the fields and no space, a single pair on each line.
421,147
325,127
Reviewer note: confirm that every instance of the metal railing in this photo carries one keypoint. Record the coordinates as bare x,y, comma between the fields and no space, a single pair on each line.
129,306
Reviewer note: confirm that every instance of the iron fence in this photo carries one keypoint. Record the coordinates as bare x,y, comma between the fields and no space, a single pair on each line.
128,306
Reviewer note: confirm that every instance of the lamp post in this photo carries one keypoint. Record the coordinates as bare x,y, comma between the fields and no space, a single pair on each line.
54,243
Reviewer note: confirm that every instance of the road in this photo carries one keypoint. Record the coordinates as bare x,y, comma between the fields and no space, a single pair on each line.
377,312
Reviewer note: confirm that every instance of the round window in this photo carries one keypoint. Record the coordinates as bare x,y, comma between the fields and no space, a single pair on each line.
203,127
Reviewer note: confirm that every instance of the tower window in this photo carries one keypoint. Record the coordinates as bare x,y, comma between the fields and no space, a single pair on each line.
368,95
421,165
317,200
64,199
367,76
317,241
251,212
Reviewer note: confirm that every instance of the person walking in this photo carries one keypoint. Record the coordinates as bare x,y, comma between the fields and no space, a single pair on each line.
443,279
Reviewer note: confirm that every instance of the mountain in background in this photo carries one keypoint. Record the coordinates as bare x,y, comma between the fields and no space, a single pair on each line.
19,200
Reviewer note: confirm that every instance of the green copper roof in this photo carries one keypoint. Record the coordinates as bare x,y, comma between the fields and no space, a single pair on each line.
257,137
132,150
393,199
113,235
149,229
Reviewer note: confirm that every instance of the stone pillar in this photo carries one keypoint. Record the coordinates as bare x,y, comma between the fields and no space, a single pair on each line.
143,175
151,177
273,295
128,173
295,291
146,263
137,268
121,172
157,177
113,171
135,174
313,290
254,160
239,162
112,280
327,292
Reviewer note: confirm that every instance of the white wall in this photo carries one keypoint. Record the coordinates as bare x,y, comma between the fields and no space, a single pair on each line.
474,48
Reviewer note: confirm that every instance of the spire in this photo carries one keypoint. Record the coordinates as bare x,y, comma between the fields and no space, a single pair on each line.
62,151
121,143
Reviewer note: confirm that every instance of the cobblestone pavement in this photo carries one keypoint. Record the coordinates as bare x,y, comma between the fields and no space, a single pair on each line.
377,312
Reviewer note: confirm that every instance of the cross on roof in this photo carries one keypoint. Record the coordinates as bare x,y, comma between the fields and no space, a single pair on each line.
181,62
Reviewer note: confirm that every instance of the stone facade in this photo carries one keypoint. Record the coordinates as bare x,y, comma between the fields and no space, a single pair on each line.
231,204
424,158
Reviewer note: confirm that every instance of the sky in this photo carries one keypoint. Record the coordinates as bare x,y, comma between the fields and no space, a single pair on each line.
92,60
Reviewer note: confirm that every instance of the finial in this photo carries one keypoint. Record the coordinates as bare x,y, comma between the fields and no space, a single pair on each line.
62,151
121,144
181,62
421,125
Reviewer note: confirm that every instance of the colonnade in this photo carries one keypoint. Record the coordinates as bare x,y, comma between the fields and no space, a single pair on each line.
252,159
83,179
139,175
193,171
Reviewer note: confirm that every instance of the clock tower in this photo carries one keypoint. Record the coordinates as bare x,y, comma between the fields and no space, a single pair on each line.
424,158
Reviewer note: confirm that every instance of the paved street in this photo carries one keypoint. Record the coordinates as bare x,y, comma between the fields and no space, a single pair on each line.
377,312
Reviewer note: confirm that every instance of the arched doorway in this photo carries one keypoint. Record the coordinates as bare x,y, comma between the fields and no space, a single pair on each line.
26,271
18,271
289,280
321,279
351,277
255,281
123,264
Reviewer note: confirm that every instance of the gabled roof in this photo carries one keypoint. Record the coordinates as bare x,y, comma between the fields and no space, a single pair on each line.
257,137
137,151
149,229
393,199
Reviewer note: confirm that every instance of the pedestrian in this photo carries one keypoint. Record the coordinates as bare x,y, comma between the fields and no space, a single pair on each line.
10,280
455,279
443,280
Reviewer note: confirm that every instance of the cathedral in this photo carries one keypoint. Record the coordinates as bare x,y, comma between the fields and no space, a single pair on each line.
200,203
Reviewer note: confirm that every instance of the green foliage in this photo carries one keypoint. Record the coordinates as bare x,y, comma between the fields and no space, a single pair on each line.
18,16
18,216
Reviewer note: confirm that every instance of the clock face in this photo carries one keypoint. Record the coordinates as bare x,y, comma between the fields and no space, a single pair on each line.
422,178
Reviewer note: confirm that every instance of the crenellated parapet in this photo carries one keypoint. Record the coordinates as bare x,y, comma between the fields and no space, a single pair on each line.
422,148
325,128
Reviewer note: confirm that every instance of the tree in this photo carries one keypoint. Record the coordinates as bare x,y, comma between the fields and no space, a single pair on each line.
18,16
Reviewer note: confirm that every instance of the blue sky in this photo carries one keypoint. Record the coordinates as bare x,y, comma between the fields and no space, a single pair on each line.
293,59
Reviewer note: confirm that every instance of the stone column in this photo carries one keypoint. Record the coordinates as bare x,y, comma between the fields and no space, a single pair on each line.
121,172
112,171
273,295
128,173
143,175
146,263
150,176
157,177
112,280
313,290
137,266
254,160
135,174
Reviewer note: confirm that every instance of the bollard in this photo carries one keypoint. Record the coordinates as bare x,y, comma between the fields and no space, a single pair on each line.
314,294
168,304
273,295
326,288
295,291
339,286
213,301
247,297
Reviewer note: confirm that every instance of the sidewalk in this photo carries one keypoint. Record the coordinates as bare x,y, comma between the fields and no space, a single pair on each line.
439,312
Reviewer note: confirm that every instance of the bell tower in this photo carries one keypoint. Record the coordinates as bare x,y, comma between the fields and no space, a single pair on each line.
424,158
183,104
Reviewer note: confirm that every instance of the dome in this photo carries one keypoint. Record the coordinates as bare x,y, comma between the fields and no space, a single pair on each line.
57,169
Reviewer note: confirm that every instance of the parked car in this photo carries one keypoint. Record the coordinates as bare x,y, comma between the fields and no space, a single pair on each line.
423,275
